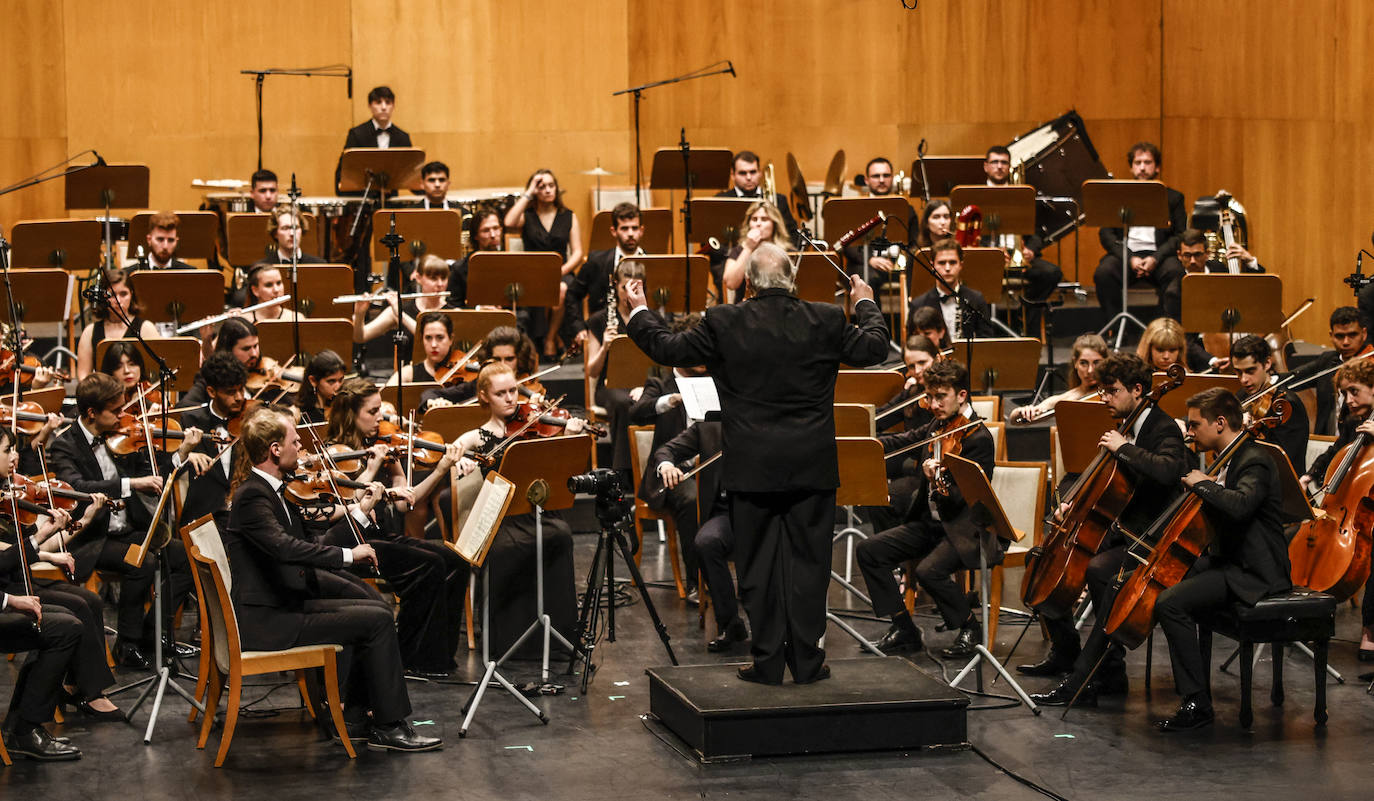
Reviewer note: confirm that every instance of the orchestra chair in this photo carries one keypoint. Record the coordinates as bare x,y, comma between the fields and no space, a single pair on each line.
231,663
641,442
1020,488
1316,446
988,407
998,430
463,494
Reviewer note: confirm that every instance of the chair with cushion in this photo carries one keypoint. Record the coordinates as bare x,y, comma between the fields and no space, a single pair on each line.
641,445
1020,488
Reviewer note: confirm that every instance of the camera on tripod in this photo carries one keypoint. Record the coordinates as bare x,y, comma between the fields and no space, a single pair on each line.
614,507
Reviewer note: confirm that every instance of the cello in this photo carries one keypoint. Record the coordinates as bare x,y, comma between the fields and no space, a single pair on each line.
1331,553
1056,571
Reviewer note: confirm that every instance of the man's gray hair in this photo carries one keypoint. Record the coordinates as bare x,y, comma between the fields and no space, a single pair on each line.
770,268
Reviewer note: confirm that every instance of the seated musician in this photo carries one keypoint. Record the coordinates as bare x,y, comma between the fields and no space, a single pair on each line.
81,457
1349,338
593,279
432,279
436,334
1088,351
1164,343
1355,382
929,323
434,180
1247,560
746,181
547,225
948,259
265,283
262,190
377,132
224,379
714,541
162,245
239,338
109,322
918,354
1152,457
511,559
762,223
602,328
1042,276
428,577
878,179
323,376
286,230
937,222
487,235
505,344
270,560
124,361
1253,362
1151,250
940,532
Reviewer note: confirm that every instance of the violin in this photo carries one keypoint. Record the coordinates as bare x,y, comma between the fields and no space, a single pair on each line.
30,416
234,425
949,443
27,367
531,422
64,496
144,390
346,459
270,373
22,497
968,228
425,447
1331,553
131,436
317,487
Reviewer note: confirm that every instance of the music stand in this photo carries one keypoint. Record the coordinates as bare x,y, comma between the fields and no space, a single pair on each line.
943,173
177,295
1006,209
113,186
656,231
718,217
471,326
983,270
321,333
686,169
855,420
197,232
414,389
817,281
978,494
50,398
362,168
182,355
1081,425
874,387
625,365
510,280
840,214
42,296
319,285
1230,303
863,482
247,241
665,282
1175,404
451,422
437,231
68,244
1002,364
1123,204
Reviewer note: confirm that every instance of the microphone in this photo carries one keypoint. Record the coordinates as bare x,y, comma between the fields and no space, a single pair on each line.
850,236
99,159
98,296
921,148
731,66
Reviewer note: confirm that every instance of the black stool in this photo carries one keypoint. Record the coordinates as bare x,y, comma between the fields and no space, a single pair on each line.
1299,615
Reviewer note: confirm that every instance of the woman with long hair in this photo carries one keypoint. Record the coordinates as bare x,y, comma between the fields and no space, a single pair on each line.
109,321
1088,350
762,223
547,225
323,376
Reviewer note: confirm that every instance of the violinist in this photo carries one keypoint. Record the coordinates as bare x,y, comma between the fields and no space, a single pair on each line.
428,577
602,327
124,361
505,344
1152,457
948,259
431,278
929,323
80,457
109,322
939,532
1247,560
1349,338
918,354
1355,382
436,334
239,338
265,283
511,559
323,376
1252,359
209,485
1088,351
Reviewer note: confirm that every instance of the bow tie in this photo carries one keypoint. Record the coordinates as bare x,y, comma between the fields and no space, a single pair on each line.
947,298
386,130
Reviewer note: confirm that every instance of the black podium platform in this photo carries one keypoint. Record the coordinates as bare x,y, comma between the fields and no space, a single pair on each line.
867,705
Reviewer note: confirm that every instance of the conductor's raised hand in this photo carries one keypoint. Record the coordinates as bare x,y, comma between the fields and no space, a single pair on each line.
859,289
633,297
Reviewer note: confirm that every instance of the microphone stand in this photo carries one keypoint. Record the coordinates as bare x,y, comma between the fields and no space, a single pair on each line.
638,91
16,351
393,242
330,71
294,193
686,215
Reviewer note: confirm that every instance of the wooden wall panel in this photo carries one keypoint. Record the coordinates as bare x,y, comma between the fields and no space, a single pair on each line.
33,127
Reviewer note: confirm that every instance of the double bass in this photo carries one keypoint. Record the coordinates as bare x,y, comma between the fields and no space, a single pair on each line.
1056,571
1331,553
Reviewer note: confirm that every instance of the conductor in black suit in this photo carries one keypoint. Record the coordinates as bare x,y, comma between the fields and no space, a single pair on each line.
273,567
378,131
1151,250
774,359
948,260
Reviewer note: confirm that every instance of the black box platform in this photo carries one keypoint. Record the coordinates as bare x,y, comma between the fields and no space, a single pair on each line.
867,705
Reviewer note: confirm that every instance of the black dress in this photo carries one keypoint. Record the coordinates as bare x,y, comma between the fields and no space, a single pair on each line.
98,332
555,238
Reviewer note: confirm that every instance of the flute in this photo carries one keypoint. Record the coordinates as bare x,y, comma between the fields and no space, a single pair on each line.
235,313
342,299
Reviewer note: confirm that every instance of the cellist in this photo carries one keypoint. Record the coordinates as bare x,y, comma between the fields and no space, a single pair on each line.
1153,457
1247,560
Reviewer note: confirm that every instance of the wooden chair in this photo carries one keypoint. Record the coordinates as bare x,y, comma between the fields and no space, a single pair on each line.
988,407
998,430
641,439
1020,488
232,663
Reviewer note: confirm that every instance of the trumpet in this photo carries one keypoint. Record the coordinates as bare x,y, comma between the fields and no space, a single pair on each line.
770,186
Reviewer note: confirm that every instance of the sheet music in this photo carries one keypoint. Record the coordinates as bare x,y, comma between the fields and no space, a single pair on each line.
487,512
698,396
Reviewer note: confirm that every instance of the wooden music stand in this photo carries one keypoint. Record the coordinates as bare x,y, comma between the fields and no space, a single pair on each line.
711,168
1296,508
50,398
182,355
1176,402
178,296
69,244
855,420
197,232
1002,363
719,217
657,230
983,270
1122,204
319,285
514,279
665,281
471,326
392,168
1231,303
626,365
1006,209
248,241
438,230
44,301
114,186
414,389
863,482
817,280
841,214
945,173
451,422
321,333
874,387
1081,425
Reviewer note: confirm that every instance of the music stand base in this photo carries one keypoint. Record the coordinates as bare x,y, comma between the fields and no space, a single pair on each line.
491,670
1123,318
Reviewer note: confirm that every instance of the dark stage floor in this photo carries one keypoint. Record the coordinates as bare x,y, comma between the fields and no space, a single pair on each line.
597,747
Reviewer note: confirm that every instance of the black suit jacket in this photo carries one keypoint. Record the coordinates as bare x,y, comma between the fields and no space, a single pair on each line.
593,282
142,264
1345,434
774,359
1245,515
207,492
1291,436
701,440
1153,464
973,297
1166,239
365,135
666,425
73,460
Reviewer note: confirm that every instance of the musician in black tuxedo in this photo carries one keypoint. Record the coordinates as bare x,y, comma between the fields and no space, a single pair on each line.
1153,457
80,457
1151,250
1253,362
273,566
1247,561
941,531
162,240
745,177
1349,338
593,279
377,132
774,359
209,482
947,258
878,178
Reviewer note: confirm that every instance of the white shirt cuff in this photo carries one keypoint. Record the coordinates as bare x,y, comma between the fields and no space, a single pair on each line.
870,300
124,488
360,516
636,310
4,601
659,469
663,404
348,556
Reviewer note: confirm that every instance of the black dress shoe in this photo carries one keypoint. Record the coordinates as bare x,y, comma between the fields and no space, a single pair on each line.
1366,655
965,644
400,736
1113,682
900,640
126,654
731,634
36,743
1191,714
1056,664
693,597
1062,694
98,715
182,650
751,673
821,675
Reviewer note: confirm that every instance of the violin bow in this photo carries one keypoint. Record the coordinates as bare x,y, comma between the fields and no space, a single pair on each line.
52,504
329,473
928,440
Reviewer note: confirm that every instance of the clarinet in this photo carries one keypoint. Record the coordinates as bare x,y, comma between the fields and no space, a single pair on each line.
612,315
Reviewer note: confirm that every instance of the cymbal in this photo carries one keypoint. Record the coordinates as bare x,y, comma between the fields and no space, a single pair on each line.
598,171
801,202
834,177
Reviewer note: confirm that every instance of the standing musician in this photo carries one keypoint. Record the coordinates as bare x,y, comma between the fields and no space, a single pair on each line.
593,279
209,485
323,377
1042,275
434,176
428,577
1151,250
108,323
762,223
436,333
1349,338
1152,458
940,531
546,225
377,132
265,283
774,359
431,279
1253,362
948,259
162,245
511,558
262,190
286,230
487,236
1355,382
1088,351
272,561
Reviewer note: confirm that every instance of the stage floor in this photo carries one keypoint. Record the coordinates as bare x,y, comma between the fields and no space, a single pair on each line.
597,747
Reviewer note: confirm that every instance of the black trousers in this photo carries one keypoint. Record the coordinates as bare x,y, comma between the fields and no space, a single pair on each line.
1176,610
1166,278
617,404
782,552
89,673
922,540
1101,573
134,624
53,648
371,672
681,503
511,561
715,542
